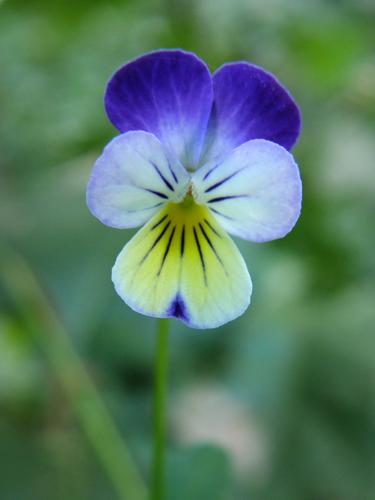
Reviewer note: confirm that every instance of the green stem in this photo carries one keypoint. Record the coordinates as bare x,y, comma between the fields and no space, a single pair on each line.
161,365
41,320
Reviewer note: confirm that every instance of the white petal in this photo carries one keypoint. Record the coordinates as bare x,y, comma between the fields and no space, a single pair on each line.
132,179
255,191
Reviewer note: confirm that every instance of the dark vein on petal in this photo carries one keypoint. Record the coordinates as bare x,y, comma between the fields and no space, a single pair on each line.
157,193
223,181
212,227
221,213
166,182
182,246
159,222
173,174
167,250
144,209
211,244
224,198
156,242
200,255
146,159
210,171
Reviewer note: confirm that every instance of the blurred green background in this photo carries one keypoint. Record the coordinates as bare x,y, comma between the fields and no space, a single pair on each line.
279,404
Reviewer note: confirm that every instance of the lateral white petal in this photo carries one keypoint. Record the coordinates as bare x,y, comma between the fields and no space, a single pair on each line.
132,179
255,191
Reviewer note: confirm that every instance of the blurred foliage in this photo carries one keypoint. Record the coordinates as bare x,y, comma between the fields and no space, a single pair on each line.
299,367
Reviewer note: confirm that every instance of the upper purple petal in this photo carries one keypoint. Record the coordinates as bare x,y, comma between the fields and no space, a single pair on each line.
249,103
168,93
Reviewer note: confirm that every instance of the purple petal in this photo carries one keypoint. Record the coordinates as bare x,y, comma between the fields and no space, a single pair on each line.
168,93
249,103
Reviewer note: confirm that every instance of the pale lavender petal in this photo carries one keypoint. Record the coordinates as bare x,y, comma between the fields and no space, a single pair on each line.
254,191
168,93
133,179
249,103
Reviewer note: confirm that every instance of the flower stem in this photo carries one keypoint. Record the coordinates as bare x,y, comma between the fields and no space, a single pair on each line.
160,396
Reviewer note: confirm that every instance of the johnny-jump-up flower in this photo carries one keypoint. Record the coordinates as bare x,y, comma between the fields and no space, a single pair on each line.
199,156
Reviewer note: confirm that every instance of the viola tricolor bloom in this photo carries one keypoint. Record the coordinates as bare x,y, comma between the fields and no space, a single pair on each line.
199,156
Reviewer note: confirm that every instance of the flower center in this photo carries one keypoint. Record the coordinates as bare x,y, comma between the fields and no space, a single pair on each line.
187,211
189,199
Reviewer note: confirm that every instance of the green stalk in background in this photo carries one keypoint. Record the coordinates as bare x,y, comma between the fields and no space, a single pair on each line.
41,320
160,397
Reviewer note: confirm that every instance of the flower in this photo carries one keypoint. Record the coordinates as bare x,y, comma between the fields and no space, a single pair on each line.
199,156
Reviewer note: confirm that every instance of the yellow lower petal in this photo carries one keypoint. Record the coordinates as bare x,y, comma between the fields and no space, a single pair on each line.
183,264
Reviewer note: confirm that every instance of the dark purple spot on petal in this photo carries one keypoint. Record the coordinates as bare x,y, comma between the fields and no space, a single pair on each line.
178,309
